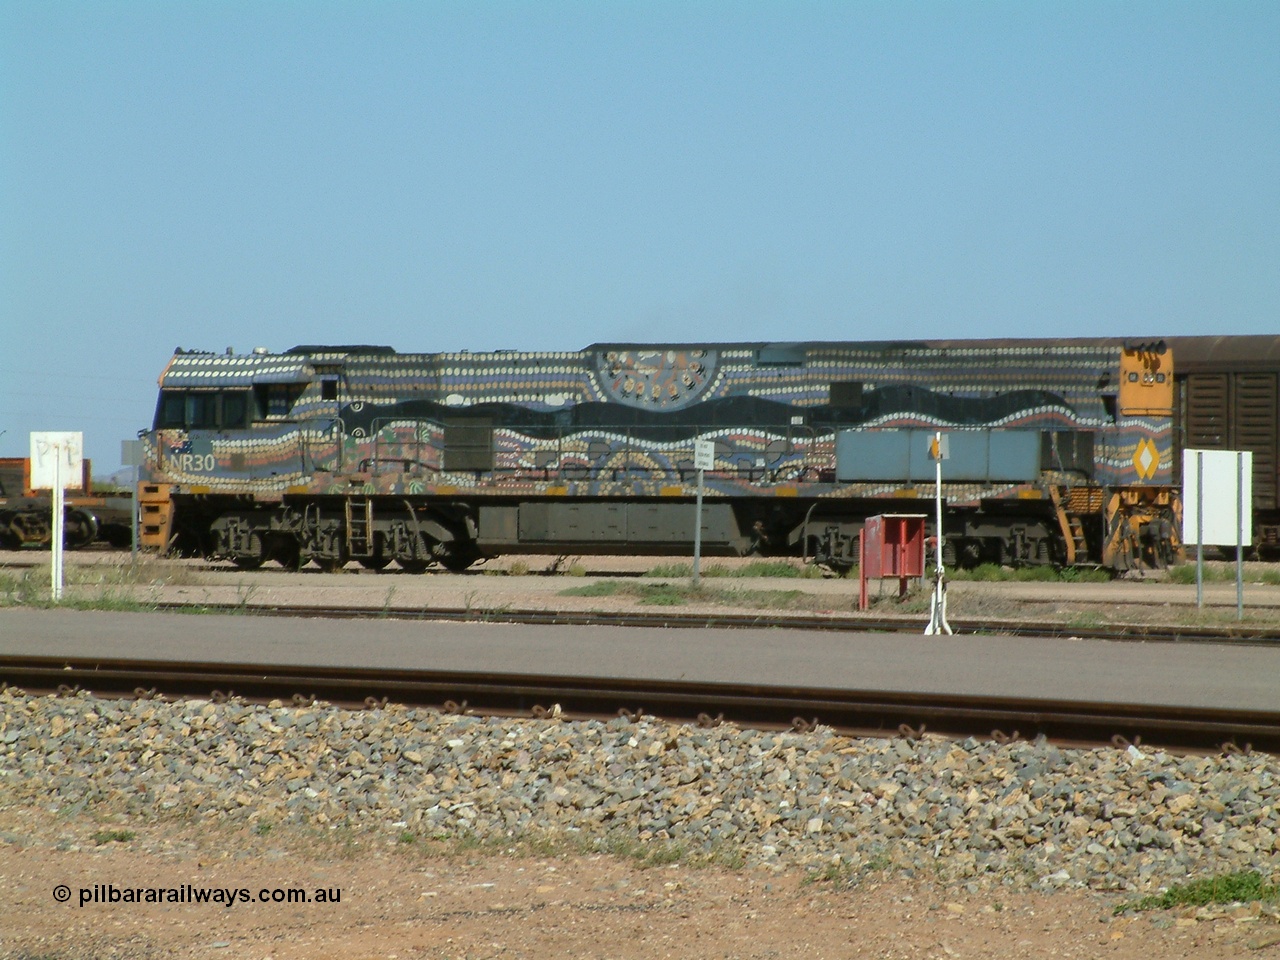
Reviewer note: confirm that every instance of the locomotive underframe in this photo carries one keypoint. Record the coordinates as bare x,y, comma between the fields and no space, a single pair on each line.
1122,528
28,522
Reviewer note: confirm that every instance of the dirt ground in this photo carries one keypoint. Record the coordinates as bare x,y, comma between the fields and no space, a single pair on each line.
540,582
398,900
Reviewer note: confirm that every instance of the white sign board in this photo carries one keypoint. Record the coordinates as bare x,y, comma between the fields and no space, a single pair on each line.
1213,478
704,455
131,453
64,449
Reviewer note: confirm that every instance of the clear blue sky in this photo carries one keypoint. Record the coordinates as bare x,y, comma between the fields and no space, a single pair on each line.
438,176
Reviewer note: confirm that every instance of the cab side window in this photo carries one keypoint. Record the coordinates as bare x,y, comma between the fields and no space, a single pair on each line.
173,410
202,411
235,410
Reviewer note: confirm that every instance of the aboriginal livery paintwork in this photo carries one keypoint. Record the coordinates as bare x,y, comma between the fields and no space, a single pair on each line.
457,431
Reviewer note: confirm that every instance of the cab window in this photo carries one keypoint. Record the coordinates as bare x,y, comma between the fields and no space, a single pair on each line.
172,413
235,410
202,410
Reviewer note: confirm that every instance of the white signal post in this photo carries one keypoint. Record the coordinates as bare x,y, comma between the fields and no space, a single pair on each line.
704,459
56,462
938,451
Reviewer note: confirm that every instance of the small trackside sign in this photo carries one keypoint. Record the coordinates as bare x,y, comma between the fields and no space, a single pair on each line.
704,455
939,448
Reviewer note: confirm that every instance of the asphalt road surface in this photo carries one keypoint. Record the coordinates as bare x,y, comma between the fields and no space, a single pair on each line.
1200,675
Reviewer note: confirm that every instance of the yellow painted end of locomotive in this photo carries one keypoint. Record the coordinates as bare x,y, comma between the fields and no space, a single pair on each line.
786,491
1146,381
671,492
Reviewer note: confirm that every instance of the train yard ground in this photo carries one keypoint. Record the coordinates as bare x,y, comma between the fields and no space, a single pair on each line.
613,585
408,894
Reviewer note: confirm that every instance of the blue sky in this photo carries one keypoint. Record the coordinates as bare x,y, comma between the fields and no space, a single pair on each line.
439,176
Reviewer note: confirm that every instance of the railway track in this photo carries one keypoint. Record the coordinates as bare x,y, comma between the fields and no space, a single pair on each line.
857,712
1148,633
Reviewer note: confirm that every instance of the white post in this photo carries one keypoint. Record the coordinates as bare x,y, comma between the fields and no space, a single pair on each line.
133,524
1199,530
938,605
1239,536
55,567
697,534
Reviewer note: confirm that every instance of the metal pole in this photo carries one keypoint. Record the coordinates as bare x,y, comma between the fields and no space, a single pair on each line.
697,534
938,606
133,531
1199,530
1239,536
55,565
938,506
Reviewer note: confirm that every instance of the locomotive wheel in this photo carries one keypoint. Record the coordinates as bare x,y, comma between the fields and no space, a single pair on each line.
373,563
413,565
286,553
330,564
250,555
459,556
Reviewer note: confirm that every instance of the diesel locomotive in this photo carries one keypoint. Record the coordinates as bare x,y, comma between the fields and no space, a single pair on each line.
1061,451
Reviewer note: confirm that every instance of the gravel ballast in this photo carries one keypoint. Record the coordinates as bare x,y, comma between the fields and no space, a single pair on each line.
973,812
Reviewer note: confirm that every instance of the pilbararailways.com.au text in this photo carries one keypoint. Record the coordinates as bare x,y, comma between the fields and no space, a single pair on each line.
107,893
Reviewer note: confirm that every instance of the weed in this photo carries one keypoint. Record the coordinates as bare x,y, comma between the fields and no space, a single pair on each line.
113,836
386,601
109,600
21,590
643,853
840,873
993,573
518,568
877,863
846,874
244,594
1218,572
408,836
600,588
1086,620
663,594
496,613
787,569
677,571
1242,887
262,829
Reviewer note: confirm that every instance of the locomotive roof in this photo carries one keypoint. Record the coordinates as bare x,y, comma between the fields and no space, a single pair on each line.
1221,354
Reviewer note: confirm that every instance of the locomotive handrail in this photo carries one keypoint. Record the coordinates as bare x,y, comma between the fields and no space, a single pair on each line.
376,427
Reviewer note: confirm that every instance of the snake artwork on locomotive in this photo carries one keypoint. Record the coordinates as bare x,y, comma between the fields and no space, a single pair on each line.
1060,452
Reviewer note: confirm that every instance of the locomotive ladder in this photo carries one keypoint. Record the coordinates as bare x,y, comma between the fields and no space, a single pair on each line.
1072,530
359,527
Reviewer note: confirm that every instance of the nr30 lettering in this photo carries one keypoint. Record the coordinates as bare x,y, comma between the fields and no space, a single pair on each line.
196,462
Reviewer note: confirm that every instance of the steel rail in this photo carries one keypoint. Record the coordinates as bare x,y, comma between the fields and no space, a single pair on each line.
862,712
1151,633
